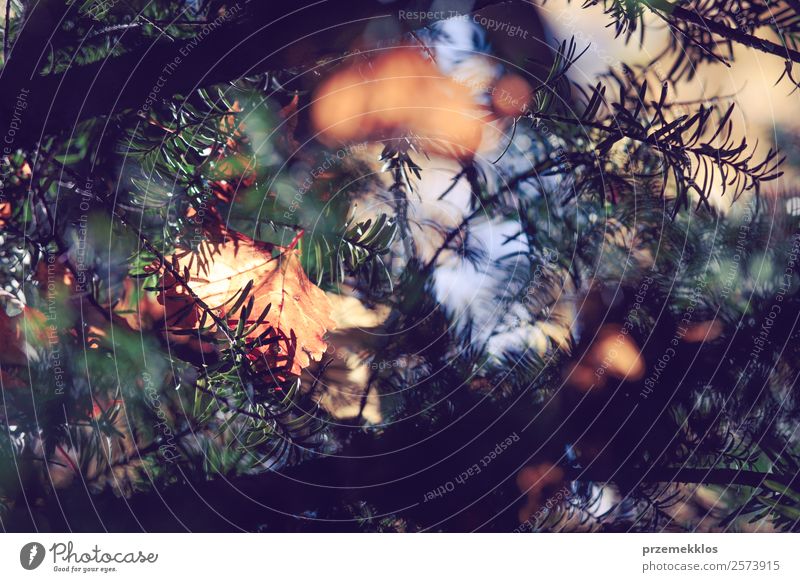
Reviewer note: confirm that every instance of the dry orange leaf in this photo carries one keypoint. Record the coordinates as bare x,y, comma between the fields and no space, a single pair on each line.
613,353
511,96
538,482
704,331
5,212
618,353
399,91
19,335
299,312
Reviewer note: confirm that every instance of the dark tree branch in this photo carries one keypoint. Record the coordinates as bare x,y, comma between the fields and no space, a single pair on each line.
656,474
263,36
668,10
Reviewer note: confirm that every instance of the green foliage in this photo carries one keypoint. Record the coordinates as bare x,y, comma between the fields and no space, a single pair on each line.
617,192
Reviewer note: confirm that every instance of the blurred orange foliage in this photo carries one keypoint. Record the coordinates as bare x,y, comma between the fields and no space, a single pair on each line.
398,92
539,482
613,353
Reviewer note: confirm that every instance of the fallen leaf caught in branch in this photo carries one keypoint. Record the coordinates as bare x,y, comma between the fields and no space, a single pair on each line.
236,273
